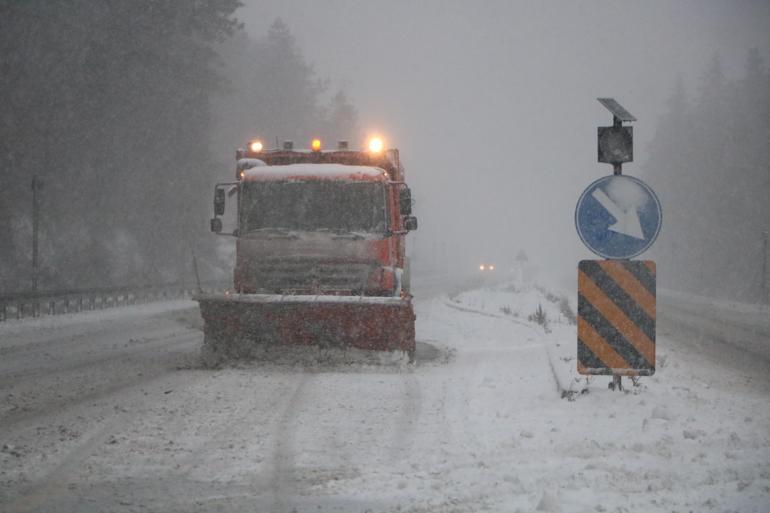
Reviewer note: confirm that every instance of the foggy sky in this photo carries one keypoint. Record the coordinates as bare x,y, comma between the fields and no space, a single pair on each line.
493,104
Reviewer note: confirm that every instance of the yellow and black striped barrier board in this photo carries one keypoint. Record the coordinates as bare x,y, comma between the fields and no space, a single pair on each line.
616,317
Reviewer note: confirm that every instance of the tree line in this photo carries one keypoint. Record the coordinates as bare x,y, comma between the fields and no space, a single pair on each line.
710,163
121,108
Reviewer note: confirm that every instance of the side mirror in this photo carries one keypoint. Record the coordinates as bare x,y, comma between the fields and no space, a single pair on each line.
410,223
405,201
219,202
216,225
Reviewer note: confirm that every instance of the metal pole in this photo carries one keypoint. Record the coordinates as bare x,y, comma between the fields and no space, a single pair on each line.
197,276
764,266
36,185
671,261
617,169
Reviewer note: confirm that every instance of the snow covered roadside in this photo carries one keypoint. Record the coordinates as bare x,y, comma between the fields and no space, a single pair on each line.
740,327
483,428
554,326
14,332
694,437
755,311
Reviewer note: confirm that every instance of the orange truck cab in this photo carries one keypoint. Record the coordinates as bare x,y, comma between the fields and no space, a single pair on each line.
320,248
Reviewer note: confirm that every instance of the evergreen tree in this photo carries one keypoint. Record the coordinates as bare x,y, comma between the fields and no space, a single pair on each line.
108,102
289,88
710,162
274,92
341,123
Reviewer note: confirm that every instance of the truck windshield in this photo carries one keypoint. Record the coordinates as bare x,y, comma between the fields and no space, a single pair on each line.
314,205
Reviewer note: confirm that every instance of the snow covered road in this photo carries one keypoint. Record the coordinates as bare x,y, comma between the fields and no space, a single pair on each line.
734,335
110,411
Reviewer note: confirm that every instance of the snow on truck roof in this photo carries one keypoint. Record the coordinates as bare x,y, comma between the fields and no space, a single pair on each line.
315,171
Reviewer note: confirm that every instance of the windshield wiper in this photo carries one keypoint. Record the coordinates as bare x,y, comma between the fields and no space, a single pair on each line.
269,229
339,233
348,235
280,232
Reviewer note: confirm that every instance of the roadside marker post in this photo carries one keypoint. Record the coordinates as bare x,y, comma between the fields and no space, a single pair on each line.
617,217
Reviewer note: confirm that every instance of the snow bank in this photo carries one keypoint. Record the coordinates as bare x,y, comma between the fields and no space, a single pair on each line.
11,328
762,311
554,326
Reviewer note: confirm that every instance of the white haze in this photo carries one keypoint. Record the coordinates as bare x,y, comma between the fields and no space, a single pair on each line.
493,104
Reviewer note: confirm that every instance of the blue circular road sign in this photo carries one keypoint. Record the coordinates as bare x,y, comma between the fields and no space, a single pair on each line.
618,217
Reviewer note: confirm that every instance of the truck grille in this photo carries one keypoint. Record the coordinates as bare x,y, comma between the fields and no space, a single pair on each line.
307,276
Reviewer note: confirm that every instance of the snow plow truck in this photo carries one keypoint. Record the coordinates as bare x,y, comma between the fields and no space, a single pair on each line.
319,254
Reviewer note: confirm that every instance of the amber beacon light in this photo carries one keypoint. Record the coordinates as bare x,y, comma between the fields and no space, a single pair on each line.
376,144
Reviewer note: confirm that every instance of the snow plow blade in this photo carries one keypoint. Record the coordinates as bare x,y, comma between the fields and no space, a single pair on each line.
247,326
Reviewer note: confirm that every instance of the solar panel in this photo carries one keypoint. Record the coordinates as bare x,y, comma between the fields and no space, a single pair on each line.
617,110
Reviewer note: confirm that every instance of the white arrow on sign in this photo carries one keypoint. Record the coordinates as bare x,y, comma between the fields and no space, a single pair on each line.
626,221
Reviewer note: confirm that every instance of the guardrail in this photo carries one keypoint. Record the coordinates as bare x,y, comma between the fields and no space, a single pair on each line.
27,304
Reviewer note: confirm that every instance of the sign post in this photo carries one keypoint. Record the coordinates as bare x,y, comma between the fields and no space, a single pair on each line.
764,267
617,217
37,185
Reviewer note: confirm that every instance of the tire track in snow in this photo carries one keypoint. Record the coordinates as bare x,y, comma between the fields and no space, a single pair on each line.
59,359
54,407
282,479
690,342
704,328
402,437
240,419
80,410
52,486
